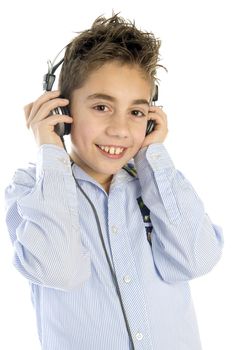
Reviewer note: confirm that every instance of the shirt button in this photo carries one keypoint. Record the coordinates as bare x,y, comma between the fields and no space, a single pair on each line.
127,279
139,336
64,161
114,229
155,156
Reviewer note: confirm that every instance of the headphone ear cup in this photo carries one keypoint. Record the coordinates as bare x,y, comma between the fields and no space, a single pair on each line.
156,94
67,126
62,128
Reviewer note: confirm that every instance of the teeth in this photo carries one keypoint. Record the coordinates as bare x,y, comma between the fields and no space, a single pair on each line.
118,150
112,150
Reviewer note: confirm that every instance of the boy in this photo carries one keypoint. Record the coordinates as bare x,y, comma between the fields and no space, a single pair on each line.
101,277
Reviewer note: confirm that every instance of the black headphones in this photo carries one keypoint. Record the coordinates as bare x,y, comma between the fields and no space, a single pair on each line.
65,128
48,81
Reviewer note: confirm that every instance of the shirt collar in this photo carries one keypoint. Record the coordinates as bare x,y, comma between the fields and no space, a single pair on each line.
120,178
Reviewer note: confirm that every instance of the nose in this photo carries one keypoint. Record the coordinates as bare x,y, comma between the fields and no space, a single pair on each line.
118,127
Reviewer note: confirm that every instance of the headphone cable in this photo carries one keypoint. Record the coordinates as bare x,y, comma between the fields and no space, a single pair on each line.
108,260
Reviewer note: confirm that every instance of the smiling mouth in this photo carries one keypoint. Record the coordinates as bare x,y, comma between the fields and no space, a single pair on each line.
112,152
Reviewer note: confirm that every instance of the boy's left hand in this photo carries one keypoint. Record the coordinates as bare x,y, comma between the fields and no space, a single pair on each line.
160,132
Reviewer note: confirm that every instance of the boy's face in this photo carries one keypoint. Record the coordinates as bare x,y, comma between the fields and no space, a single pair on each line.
108,130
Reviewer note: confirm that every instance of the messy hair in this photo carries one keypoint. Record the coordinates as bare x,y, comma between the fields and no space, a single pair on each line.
112,39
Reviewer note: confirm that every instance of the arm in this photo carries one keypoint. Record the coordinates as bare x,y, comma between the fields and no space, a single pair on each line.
42,219
185,243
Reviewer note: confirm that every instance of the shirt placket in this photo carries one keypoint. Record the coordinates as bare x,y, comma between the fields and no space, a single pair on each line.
126,273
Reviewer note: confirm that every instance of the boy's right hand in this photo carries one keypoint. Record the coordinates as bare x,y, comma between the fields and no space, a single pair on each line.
40,120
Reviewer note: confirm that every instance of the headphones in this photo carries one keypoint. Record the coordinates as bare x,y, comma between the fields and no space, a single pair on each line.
64,128
48,81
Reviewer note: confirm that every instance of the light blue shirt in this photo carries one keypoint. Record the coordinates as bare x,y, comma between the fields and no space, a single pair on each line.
58,249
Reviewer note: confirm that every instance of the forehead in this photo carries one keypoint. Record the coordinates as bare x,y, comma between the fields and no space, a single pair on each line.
115,66
119,78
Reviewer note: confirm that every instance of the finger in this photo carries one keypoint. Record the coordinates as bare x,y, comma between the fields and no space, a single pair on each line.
157,109
48,124
159,118
160,126
47,95
55,119
27,111
45,109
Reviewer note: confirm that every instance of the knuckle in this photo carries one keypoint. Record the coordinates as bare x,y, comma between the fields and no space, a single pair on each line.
27,109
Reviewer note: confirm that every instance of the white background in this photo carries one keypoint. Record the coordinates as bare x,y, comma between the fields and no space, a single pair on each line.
196,94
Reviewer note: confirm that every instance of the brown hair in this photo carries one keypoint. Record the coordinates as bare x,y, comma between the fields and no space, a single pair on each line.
107,40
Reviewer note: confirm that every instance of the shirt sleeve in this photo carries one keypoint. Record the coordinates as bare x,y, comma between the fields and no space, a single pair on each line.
185,243
42,219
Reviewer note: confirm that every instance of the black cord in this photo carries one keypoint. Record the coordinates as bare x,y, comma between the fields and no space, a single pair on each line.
108,260
54,68
64,145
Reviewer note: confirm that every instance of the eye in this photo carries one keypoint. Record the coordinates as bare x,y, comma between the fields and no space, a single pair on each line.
100,108
138,114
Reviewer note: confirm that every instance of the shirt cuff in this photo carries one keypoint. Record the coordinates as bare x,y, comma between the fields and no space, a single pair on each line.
156,155
52,157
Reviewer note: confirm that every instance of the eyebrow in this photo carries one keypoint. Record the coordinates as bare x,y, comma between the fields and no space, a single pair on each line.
139,101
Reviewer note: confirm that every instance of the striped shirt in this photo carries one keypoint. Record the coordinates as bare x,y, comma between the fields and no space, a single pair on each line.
57,248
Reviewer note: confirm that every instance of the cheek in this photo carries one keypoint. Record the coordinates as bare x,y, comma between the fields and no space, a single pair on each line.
140,135
83,132
79,132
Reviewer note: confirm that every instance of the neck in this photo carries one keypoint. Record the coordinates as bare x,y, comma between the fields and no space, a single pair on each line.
106,184
102,179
